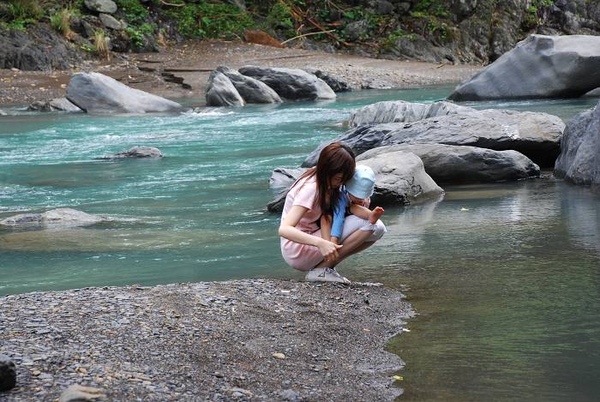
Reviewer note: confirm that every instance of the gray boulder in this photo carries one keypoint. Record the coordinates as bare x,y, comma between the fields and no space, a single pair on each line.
98,93
451,164
59,217
579,159
536,135
291,84
220,91
401,111
400,179
538,67
250,89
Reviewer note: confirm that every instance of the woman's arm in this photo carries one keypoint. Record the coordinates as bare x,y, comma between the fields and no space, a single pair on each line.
288,229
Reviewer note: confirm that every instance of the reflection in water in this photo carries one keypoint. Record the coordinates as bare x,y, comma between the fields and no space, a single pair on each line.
508,304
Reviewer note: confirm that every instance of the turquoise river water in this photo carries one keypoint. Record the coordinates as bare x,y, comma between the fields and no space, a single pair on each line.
505,278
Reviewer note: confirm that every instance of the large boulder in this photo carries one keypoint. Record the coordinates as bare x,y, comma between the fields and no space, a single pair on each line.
403,112
536,135
400,179
98,93
538,67
290,83
220,91
579,159
452,164
250,89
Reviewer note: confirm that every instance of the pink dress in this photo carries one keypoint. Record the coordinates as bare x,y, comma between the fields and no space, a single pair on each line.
302,256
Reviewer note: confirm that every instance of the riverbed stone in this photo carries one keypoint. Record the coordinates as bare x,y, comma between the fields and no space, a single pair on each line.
52,218
400,111
535,135
579,159
291,83
220,91
99,93
453,164
540,66
250,89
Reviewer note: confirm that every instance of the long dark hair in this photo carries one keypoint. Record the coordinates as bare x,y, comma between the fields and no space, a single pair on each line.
334,158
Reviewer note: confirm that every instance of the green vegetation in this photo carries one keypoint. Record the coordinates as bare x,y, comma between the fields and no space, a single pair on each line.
210,20
61,22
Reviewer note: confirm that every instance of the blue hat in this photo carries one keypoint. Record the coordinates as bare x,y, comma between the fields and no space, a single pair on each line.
362,184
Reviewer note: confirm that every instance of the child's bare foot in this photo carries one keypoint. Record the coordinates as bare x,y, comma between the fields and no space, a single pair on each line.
376,214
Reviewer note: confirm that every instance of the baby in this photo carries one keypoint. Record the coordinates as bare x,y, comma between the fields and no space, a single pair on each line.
355,200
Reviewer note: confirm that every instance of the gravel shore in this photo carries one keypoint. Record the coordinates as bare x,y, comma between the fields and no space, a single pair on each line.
259,340
181,71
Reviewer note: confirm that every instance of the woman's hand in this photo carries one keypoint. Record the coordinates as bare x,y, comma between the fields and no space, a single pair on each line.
329,250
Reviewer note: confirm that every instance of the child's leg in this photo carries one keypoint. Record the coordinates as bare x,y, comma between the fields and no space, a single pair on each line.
375,214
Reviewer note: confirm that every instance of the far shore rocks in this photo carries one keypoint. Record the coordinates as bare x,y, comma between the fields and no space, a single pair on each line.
252,84
540,66
98,93
59,217
579,160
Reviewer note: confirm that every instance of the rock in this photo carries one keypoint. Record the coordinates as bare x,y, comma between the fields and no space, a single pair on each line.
282,178
101,6
139,152
98,93
53,105
27,50
8,374
402,111
220,91
55,217
579,159
290,83
535,135
79,393
250,89
400,179
538,67
111,22
451,164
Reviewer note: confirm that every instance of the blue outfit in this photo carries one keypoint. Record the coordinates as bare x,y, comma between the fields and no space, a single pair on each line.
339,214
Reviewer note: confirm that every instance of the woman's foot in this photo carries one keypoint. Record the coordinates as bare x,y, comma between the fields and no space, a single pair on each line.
376,214
325,275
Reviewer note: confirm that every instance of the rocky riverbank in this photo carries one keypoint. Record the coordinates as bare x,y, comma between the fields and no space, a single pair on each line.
181,71
238,340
